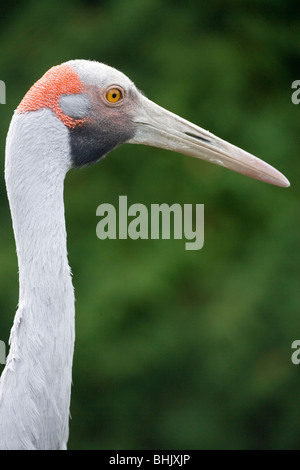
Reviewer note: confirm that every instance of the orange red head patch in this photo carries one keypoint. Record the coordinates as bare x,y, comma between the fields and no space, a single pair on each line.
46,92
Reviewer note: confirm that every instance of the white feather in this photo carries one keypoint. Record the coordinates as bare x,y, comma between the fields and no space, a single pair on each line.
36,383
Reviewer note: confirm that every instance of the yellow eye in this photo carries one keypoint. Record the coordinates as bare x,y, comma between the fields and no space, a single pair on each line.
113,95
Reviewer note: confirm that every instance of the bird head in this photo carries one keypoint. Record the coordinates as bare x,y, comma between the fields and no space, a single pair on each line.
102,109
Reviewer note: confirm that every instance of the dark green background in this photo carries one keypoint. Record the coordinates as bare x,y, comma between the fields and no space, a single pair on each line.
174,348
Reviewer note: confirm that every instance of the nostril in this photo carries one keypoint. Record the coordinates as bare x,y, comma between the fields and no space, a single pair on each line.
198,137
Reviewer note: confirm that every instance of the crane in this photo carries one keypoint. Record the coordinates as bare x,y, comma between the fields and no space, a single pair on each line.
72,117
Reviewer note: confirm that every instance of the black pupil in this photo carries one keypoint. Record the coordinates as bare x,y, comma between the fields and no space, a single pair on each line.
114,95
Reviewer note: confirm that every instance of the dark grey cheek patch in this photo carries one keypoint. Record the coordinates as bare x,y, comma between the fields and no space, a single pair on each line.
91,142
75,106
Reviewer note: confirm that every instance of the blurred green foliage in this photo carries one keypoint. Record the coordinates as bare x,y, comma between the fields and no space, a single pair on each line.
174,348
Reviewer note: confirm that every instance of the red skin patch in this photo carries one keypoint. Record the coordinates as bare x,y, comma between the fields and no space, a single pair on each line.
45,93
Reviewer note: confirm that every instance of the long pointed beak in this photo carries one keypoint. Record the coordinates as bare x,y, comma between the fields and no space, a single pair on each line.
158,127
